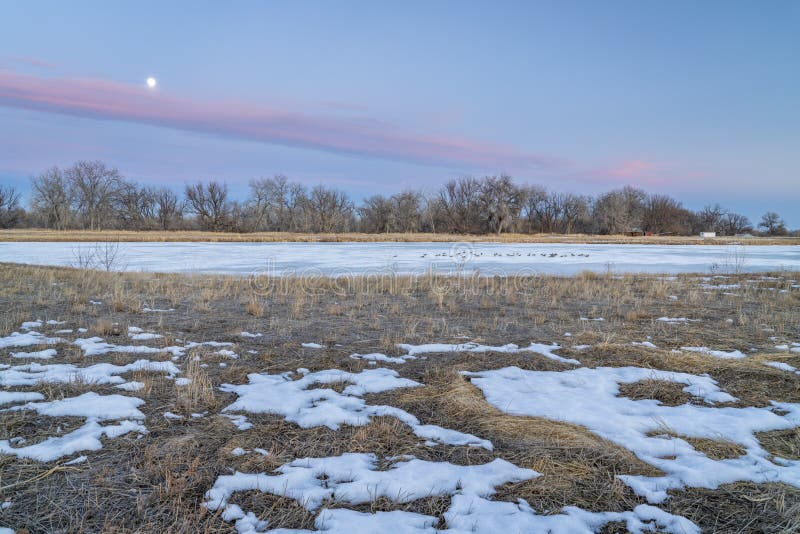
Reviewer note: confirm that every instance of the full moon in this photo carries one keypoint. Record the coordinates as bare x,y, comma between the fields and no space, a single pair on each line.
151,82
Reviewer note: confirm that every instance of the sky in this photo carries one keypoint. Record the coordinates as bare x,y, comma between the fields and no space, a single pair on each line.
699,100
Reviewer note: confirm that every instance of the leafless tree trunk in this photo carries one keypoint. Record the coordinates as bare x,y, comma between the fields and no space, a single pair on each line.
168,210
95,187
329,210
10,212
459,202
209,203
51,198
501,202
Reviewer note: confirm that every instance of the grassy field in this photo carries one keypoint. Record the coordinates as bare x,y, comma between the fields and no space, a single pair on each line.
156,482
267,237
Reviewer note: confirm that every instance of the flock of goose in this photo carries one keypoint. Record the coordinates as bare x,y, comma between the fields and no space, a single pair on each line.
467,255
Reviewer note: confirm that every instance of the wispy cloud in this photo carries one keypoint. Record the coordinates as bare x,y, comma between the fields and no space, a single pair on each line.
358,136
637,172
30,61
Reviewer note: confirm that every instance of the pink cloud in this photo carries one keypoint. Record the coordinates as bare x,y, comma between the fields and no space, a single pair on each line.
358,136
635,169
637,172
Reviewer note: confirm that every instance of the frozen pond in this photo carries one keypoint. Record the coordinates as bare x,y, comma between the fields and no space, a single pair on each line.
408,258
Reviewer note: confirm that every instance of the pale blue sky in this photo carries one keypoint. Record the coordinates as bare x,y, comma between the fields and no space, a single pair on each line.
697,99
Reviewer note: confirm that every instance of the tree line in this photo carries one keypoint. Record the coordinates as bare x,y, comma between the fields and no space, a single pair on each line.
90,195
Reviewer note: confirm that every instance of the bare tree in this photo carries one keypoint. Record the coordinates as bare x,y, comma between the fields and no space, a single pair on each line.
619,211
533,199
376,214
136,207
168,211
501,202
328,210
772,224
709,219
10,212
51,198
406,212
209,203
734,223
460,203
95,188
663,214
276,203
574,213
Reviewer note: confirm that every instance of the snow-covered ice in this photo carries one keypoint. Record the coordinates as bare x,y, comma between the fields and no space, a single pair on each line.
410,258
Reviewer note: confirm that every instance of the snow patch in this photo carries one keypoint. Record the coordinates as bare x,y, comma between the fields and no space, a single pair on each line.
589,397
300,403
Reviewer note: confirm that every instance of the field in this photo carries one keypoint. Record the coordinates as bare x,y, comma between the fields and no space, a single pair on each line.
270,237
627,403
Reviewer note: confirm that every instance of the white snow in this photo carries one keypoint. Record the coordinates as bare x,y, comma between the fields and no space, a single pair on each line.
782,366
378,357
412,351
8,397
675,320
239,421
144,336
130,386
40,355
85,438
300,403
354,479
95,346
28,325
100,373
588,397
91,406
88,405
16,339
731,355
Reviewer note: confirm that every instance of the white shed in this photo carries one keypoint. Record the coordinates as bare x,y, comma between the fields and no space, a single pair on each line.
708,234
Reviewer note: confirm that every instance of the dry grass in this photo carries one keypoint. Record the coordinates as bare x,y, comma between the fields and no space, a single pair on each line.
32,234
157,483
